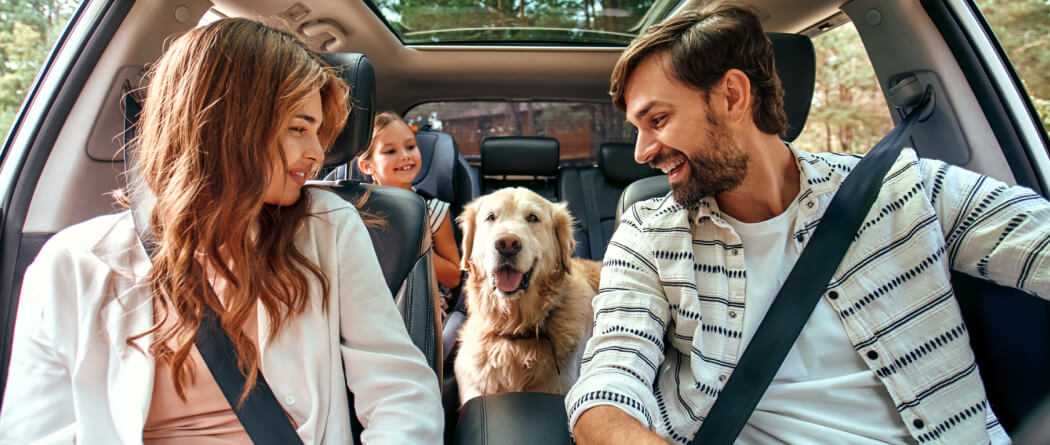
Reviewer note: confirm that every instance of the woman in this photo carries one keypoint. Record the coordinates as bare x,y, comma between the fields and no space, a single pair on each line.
235,120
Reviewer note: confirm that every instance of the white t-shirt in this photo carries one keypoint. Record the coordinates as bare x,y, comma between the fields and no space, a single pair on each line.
823,392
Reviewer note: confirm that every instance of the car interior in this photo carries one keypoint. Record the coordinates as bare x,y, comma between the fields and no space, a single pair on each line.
64,154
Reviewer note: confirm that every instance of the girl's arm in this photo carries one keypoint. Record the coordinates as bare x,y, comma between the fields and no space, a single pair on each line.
446,262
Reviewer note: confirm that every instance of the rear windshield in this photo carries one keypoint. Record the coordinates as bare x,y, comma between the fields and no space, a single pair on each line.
579,127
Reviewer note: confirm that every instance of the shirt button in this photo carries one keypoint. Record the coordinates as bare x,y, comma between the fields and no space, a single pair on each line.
732,314
918,423
722,378
734,252
290,400
873,355
809,204
800,237
833,295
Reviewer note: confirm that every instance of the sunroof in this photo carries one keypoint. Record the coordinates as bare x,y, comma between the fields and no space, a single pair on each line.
574,22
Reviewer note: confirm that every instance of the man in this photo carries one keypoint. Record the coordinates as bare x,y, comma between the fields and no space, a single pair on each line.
688,278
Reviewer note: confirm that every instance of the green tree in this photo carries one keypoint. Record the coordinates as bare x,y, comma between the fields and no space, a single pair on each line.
28,29
1023,30
849,113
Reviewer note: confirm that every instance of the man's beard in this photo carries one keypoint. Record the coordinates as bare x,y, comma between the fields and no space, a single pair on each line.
718,168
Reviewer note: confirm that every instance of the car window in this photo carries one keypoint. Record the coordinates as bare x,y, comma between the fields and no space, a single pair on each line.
579,127
849,113
28,30
1023,30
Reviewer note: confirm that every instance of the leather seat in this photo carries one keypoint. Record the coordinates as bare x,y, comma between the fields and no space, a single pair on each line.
520,161
402,244
592,194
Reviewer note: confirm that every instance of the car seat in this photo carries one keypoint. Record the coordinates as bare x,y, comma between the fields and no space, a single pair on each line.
520,161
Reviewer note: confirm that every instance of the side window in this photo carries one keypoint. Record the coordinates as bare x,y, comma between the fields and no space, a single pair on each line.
1023,30
28,30
579,127
849,113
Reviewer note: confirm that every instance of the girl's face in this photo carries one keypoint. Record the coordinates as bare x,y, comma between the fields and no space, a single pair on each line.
395,158
302,150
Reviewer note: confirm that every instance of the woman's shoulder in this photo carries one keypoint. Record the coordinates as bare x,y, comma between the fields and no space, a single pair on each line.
99,236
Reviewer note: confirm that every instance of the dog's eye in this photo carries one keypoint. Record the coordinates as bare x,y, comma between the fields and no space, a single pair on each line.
532,218
491,217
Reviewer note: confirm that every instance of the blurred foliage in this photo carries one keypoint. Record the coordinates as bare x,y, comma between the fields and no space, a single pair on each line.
28,29
592,21
849,113
1023,29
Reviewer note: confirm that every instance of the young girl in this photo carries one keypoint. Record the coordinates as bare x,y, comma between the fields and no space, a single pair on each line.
235,120
393,160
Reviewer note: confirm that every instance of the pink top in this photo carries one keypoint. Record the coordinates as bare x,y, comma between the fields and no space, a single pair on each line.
205,415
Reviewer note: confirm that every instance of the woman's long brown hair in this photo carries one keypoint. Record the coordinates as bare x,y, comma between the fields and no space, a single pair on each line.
207,139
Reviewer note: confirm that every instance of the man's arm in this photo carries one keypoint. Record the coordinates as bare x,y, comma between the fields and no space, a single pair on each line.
622,357
608,425
992,231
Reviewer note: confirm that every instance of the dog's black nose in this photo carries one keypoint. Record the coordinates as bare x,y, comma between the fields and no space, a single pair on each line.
508,244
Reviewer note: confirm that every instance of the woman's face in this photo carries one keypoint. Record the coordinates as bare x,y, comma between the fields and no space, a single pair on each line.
395,157
302,149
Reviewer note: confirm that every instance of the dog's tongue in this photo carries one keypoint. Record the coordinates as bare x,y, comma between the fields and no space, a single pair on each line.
508,279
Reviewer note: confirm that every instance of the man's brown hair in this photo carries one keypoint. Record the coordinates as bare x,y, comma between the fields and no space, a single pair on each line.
703,43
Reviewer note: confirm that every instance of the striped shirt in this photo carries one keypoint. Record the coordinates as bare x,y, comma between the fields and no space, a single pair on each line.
669,312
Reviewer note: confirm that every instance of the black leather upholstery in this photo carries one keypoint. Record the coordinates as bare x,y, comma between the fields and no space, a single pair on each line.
519,155
641,190
358,72
797,67
535,158
517,418
592,194
402,244
616,161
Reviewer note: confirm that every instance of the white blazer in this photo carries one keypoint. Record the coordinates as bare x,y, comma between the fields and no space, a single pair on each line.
73,376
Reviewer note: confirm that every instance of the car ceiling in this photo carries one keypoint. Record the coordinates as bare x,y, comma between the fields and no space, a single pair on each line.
411,75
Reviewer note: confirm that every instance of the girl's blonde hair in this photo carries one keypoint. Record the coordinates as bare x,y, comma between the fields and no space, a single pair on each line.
207,141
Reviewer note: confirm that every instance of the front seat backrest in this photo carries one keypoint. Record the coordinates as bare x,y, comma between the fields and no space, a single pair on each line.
401,244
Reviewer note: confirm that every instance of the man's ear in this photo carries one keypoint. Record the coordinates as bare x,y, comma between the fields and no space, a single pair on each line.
737,89
365,165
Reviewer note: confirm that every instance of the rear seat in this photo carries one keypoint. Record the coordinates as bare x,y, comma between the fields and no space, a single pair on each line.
520,161
592,192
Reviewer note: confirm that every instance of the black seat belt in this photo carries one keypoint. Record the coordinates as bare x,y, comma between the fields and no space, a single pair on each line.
804,286
262,417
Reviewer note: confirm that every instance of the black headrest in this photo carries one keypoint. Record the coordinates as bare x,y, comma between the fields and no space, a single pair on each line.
616,160
796,65
519,155
357,71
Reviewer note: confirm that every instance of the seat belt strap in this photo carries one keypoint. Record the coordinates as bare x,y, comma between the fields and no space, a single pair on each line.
804,286
262,417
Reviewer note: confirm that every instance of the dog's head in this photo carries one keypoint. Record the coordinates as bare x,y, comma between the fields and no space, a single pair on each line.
513,237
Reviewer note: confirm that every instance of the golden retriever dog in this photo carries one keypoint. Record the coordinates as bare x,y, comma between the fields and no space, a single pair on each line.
528,299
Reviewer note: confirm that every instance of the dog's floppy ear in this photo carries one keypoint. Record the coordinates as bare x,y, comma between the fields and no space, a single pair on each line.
466,225
563,228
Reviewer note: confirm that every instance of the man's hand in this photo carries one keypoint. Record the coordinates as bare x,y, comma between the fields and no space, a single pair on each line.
606,424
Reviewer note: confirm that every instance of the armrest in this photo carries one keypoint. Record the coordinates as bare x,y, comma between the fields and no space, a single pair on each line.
512,419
